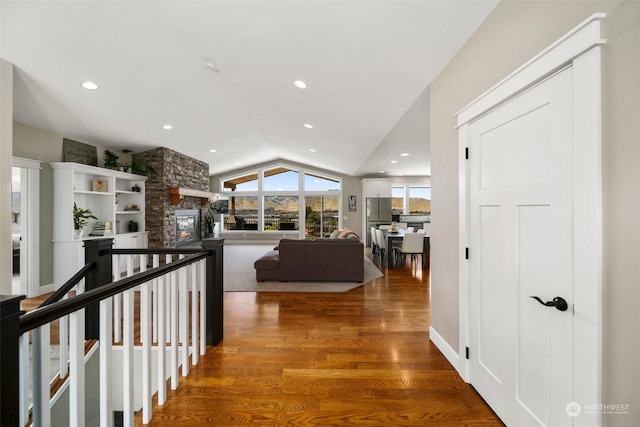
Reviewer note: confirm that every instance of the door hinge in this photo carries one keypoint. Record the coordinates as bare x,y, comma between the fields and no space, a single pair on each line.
466,153
466,353
466,253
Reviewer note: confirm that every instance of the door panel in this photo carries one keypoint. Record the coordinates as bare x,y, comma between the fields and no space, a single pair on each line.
521,246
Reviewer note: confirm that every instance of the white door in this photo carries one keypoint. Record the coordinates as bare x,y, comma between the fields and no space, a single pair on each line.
521,245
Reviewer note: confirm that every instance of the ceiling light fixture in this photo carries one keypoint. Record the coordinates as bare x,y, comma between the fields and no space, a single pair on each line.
404,154
313,150
213,67
381,171
308,126
90,86
300,84
213,150
167,127
394,161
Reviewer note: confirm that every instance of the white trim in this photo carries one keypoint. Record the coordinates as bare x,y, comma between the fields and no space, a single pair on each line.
573,44
445,348
463,243
580,48
30,182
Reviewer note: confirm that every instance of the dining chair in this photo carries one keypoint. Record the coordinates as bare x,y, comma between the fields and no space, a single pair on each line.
374,243
410,229
402,225
384,227
412,244
382,245
421,231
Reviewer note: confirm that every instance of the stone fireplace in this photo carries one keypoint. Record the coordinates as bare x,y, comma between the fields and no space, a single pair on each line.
173,170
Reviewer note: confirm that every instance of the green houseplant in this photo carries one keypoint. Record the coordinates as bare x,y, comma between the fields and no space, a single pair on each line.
111,159
209,218
80,218
141,168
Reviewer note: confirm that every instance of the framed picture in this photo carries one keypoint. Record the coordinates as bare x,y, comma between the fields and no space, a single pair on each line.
352,203
220,203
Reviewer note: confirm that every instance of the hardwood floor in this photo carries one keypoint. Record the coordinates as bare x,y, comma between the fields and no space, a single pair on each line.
359,358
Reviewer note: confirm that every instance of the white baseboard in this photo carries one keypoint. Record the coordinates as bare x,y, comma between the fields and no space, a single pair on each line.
445,348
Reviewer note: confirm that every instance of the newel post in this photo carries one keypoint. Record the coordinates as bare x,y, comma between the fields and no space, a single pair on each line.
215,290
10,361
96,251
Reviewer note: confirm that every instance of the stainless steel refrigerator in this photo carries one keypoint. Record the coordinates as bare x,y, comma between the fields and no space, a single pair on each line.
378,213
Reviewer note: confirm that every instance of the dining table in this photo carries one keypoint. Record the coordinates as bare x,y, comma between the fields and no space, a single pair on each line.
397,236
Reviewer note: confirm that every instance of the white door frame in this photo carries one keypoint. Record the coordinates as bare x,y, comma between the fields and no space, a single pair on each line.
580,49
30,226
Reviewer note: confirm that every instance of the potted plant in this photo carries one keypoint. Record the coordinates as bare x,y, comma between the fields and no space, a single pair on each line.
80,218
111,159
209,219
133,226
141,168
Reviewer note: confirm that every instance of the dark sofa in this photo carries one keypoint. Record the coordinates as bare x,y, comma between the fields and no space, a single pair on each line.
313,260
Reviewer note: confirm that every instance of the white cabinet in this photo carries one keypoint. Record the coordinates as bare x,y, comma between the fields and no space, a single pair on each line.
115,198
376,187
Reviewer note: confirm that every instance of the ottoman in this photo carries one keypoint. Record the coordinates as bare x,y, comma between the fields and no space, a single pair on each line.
268,266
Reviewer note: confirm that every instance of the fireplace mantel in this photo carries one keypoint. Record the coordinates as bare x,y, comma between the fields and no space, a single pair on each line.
178,194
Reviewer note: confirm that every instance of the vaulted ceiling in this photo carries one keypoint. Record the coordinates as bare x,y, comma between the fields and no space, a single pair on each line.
222,74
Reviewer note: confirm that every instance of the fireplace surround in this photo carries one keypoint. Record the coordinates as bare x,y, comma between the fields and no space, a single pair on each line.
187,226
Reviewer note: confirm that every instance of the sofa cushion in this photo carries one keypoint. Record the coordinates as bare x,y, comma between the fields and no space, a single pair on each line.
268,261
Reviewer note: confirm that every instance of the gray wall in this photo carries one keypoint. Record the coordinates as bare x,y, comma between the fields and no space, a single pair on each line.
512,34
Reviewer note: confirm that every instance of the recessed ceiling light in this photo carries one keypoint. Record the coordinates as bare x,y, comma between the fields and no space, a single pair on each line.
300,84
90,85
308,126
394,161
213,150
381,171
404,154
313,150
167,127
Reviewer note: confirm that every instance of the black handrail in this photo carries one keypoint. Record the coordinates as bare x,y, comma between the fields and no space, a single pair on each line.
64,289
43,315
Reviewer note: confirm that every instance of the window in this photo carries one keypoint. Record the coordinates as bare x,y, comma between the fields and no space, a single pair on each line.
319,183
321,215
280,179
397,200
419,200
281,213
242,183
272,199
243,213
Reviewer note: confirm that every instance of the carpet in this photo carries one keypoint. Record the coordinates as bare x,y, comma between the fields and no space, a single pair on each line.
240,276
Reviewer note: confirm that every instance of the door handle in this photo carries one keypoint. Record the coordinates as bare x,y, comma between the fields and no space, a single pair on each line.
557,302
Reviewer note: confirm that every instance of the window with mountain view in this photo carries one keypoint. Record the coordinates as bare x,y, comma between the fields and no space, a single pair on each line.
321,215
283,202
281,213
397,200
419,200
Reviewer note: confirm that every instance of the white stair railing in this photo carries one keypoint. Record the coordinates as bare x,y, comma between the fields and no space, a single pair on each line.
179,296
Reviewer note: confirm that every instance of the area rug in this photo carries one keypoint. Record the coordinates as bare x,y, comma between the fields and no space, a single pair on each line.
240,276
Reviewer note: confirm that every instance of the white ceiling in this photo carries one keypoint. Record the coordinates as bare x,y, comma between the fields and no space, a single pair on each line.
368,65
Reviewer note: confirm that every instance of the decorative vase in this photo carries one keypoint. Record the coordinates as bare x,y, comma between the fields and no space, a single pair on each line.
77,233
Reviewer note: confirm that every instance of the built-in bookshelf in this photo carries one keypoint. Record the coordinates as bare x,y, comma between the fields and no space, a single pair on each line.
116,199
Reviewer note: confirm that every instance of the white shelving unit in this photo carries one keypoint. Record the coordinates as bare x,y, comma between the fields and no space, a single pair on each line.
118,203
